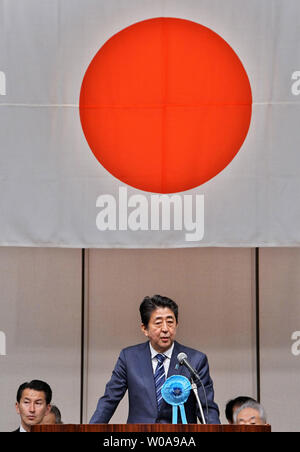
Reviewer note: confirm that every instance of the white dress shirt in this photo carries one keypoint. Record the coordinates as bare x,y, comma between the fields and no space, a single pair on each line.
167,361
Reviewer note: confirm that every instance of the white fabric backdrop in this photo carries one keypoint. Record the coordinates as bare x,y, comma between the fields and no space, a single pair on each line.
49,179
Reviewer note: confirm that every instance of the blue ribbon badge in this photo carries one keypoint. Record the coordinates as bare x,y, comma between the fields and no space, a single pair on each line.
175,392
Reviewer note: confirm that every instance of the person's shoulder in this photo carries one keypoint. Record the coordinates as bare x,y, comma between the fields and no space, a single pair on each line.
16,431
135,348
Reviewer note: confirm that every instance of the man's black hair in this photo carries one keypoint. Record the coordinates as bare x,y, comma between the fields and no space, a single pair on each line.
36,385
56,411
235,403
149,304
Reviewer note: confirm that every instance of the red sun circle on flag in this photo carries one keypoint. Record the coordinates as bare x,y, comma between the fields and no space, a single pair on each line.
165,105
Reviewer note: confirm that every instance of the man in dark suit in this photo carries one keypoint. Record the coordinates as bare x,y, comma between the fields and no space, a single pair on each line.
142,369
33,403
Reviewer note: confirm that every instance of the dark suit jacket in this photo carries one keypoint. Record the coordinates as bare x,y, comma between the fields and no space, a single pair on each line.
134,372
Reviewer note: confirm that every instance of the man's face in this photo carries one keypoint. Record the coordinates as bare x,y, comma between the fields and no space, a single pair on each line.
249,416
161,329
32,408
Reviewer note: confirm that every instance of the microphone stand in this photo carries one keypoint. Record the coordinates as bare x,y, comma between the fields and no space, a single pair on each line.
195,390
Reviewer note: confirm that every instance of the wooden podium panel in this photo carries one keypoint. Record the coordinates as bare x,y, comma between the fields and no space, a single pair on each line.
152,428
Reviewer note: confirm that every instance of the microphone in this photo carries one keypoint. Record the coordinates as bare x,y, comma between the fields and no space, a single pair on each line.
182,359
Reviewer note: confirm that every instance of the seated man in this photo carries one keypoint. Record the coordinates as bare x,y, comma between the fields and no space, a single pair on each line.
52,418
233,405
33,403
142,370
250,413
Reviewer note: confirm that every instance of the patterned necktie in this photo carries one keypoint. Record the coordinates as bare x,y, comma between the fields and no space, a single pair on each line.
159,378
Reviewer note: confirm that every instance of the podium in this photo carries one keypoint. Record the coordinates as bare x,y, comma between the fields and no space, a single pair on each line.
152,428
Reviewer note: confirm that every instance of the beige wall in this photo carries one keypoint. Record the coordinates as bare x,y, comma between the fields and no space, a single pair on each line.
213,288
280,318
40,315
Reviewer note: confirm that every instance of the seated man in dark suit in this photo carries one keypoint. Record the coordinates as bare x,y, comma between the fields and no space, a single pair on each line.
139,366
33,403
